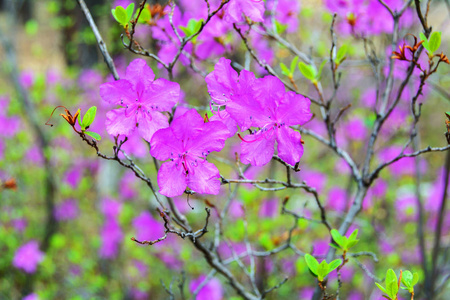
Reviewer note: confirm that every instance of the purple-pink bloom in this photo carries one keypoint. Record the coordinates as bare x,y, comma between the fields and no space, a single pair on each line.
212,290
32,296
143,99
28,256
269,208
273,110
237,10
111,236
186,144
66,210
147,228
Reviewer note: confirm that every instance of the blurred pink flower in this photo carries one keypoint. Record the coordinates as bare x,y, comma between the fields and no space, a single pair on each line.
28,256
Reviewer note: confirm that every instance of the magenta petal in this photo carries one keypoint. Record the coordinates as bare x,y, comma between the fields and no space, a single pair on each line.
222,81
247,111
117,122
171,180
224,117
139,72
115,92
294,109
165,144
254,9
270,90
150,122
259,148
204,179
188,125
290,148
212,138
161,95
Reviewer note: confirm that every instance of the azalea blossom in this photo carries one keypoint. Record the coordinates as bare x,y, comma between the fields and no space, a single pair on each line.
253,9
143,99
273,110
186,144
28,256
223,83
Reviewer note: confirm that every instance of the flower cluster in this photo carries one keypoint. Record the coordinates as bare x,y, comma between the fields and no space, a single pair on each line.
186,144
143,99
262,103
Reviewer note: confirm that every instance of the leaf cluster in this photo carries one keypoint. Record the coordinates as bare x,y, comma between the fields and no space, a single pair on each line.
323,269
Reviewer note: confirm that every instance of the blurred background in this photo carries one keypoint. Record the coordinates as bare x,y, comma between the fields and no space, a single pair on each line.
67,216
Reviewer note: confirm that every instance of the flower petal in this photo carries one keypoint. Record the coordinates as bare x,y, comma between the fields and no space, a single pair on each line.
149,122
222,81
224,117
139,72
212,138
290,148
164,144
117,122
171,179
188,125
259,148
114,92
162,95
247,111
294,109
204,179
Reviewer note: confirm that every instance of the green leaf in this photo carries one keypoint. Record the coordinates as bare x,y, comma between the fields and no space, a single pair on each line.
284,69
391,283
392,288
319,74
352,243
337,237
186,30
307,71
434,42
280,28
322,270
89,117
415,279
353,235
334,264
145,15
79,116
312,263
294,64
335,246
381,287
390,275
447,113
129,11
407,278
120,15
31,27
425,40
341,54
93,135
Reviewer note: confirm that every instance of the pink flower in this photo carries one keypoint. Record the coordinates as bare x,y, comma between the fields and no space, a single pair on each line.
143,99
147,228
66,210
212,290
237,9
187,143
273,110
28,256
